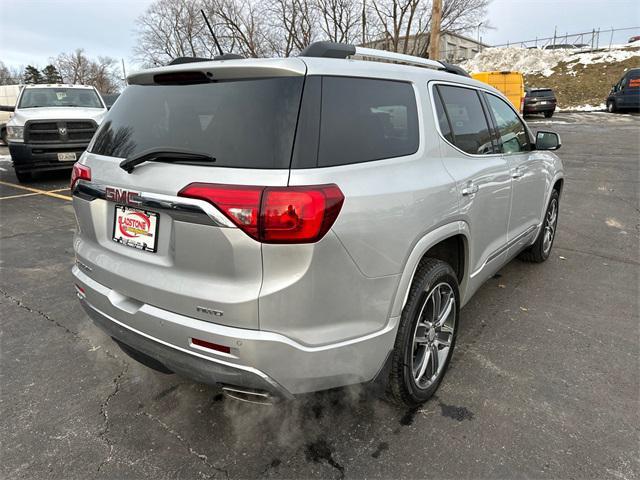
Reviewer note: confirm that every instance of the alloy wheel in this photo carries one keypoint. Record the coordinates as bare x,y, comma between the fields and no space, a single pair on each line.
551,219
433,335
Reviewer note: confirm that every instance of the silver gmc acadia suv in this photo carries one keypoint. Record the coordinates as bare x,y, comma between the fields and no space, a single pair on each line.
287,225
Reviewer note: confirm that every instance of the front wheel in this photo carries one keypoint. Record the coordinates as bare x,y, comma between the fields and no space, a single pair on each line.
541,249
549,114
611,106
24,177
426,335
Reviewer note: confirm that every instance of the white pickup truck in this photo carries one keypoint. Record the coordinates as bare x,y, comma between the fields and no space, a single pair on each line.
51,126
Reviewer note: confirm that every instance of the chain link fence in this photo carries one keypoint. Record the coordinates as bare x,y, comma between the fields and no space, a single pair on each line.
596,39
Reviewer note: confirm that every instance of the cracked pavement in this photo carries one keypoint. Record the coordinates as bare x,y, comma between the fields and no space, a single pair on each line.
544,382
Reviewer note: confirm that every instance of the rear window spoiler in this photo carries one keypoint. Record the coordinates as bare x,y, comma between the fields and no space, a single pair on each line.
228,68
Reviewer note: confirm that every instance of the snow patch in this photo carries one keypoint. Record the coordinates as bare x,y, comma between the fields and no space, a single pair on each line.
583,108
536,61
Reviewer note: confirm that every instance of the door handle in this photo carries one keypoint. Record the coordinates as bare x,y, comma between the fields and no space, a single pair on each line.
470,189
517,173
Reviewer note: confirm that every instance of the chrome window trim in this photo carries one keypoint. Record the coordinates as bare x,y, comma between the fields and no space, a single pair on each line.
182,209
431,87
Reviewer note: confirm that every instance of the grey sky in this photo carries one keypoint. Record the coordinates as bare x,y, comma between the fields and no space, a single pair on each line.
32,31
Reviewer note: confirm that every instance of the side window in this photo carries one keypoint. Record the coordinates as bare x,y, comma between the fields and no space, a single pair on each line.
469,127
513,134
443,120
365,119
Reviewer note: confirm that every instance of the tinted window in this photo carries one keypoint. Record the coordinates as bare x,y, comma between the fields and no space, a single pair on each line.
365,119
248,123
513,134
443,121
60,97
468,123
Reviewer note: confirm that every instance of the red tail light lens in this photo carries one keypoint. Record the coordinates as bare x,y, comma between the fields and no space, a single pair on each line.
299,214
241,204
274,214
79,172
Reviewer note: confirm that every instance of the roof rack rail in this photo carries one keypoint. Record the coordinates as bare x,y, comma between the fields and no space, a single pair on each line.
344,50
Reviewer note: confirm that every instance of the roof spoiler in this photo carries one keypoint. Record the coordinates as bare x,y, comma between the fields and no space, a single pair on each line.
326,49
224,56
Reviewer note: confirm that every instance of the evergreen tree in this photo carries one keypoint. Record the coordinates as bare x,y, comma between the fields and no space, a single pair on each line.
50,74
31,75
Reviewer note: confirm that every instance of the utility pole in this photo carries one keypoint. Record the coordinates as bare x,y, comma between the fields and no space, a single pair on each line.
434,38
124,72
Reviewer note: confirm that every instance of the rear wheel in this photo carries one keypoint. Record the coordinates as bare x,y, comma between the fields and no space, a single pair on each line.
549,114
426,335
541,249
24,177
3,136
611,106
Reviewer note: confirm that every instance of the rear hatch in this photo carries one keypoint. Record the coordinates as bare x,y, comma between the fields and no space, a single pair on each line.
146,242
540,95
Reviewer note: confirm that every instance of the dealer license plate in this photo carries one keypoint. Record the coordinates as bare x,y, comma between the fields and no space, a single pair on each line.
136,228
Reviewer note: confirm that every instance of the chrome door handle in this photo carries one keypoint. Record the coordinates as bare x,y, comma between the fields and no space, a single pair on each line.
470,189
517,173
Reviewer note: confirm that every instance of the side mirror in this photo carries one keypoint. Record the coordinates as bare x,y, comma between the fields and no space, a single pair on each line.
548,141
7,108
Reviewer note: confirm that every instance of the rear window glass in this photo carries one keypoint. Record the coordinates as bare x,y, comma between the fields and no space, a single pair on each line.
468,122
244,123
540,93
366,119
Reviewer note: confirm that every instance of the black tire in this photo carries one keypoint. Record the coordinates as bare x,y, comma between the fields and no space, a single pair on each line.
3,136
403,387
611,106
24,177
549,114
540,251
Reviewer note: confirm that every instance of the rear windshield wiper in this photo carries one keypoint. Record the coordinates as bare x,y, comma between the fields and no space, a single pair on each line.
165,155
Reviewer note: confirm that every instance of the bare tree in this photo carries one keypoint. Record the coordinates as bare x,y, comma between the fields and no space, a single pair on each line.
261,28
405,23
75,67
243,25
341,20
10,75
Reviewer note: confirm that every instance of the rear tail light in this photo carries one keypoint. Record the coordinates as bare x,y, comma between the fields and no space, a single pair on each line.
79,172
274,214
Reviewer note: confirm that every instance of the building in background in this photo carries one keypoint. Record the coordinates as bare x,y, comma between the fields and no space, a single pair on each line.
453,47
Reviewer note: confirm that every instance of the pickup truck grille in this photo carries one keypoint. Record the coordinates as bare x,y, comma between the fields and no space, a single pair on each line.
60,131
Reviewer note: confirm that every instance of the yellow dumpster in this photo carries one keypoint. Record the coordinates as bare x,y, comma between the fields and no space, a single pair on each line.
511,84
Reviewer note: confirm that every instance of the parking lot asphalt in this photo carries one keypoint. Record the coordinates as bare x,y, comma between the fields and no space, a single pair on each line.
544,382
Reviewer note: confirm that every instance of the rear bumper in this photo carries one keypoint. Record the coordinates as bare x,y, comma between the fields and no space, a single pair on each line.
258,359
41,157
537,108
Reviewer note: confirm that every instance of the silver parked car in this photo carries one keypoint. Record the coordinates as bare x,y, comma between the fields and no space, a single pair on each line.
282,226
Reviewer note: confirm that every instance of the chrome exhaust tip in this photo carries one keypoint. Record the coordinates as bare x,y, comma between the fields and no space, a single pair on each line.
248,396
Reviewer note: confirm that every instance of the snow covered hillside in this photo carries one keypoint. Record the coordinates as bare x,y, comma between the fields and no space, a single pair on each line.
581,79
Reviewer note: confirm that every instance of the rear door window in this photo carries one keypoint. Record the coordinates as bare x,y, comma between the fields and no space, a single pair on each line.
242,123
366,119
467,120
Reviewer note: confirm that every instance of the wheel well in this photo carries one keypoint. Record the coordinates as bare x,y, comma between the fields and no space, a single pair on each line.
451,251
558,186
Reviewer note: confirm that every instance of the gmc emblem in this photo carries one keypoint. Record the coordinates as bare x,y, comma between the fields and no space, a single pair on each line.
120,195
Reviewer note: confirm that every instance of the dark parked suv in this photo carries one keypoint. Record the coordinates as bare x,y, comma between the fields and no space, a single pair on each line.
539,100
625,95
